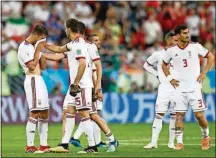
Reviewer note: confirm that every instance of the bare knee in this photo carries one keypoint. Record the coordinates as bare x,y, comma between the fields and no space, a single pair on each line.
44,114
180,116
199,115
94,117
34,114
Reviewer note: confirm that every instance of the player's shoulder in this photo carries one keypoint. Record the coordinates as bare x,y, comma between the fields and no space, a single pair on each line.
194,44
174,46
25,46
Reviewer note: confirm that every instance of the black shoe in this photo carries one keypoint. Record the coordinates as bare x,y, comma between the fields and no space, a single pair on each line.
90,149
102,145
65,146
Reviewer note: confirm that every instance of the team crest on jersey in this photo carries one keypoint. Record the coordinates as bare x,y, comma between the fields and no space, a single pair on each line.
78,52
189,54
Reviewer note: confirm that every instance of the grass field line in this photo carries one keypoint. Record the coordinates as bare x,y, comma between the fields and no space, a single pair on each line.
148,139
141,144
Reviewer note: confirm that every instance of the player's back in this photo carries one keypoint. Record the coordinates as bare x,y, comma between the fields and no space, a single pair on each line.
26,54
78,50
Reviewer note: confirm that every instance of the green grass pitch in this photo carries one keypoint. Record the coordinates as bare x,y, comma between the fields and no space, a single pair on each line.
132,138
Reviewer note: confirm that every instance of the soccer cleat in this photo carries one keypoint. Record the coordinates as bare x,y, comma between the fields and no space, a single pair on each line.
59,149
179,146
112,146
31,149
206,143
150,146
43,149
90,149
171,145
102,145
75,142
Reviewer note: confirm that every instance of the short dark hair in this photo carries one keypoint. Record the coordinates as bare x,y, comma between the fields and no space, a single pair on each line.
81,27
72,24
169,34
179,28
89,37
40,30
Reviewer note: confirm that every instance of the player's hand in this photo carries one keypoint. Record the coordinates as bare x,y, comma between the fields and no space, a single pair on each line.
174,83
74,89
94,96
201,77
100,96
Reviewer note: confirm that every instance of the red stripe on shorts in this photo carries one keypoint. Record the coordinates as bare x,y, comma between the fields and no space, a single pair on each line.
33,92
83,97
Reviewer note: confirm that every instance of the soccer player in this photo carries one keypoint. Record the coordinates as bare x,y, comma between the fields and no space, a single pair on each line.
80,78
164,97
186,79
29,57
97,131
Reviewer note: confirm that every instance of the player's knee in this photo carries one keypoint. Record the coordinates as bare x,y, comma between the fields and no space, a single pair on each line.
199,115
44,114
180,117
34,114
159,116
83,113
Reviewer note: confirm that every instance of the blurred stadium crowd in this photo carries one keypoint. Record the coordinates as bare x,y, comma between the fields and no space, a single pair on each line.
129,31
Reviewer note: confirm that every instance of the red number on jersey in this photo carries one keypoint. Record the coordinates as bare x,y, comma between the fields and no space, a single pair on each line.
185,62
200,103
77,100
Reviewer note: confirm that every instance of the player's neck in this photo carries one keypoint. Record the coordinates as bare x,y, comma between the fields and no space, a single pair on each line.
182,44
30,39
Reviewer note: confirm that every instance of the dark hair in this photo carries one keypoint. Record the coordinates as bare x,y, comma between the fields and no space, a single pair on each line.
179,28
89,37
81,27
72,24
169,34
40,30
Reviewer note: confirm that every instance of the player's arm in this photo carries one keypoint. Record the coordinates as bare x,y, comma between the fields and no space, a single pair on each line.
210,60
99,75
166,61
81,70
148,65
56,49
42,62
54,57
33,63
93,77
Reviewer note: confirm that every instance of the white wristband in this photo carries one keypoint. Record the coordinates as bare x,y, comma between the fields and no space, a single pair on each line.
42,40
169,78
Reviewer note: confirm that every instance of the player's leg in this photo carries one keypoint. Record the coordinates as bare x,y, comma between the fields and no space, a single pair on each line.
83,104
30,131
43,130
172,130
113,143
199,106
179,128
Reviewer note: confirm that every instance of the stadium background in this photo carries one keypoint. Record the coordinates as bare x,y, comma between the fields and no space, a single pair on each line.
129,31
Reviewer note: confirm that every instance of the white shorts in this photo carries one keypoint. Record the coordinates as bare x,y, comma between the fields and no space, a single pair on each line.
185,99
36,93
99,105
82,100
164,99
95,107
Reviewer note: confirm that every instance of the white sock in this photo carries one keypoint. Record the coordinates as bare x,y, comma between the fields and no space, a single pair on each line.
69,126
156,128
179,136
97,133
172,128
43,131
30,131
205,132
88,129
110,137
79,131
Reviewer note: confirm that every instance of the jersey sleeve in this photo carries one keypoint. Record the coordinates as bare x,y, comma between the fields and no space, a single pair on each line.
167,56
201,50
80,51
27,55
69,46
94,54
152,59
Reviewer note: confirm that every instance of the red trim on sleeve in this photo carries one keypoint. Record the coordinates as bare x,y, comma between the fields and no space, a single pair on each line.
96,59
78,58
206,55
165,63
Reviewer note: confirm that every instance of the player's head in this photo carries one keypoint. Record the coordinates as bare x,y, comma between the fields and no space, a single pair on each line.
182,33
95,39
39,32
81,27
71,28
171,39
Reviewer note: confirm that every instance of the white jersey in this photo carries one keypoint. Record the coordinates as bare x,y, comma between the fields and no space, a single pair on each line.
186,64
25,54
78,49
157,57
